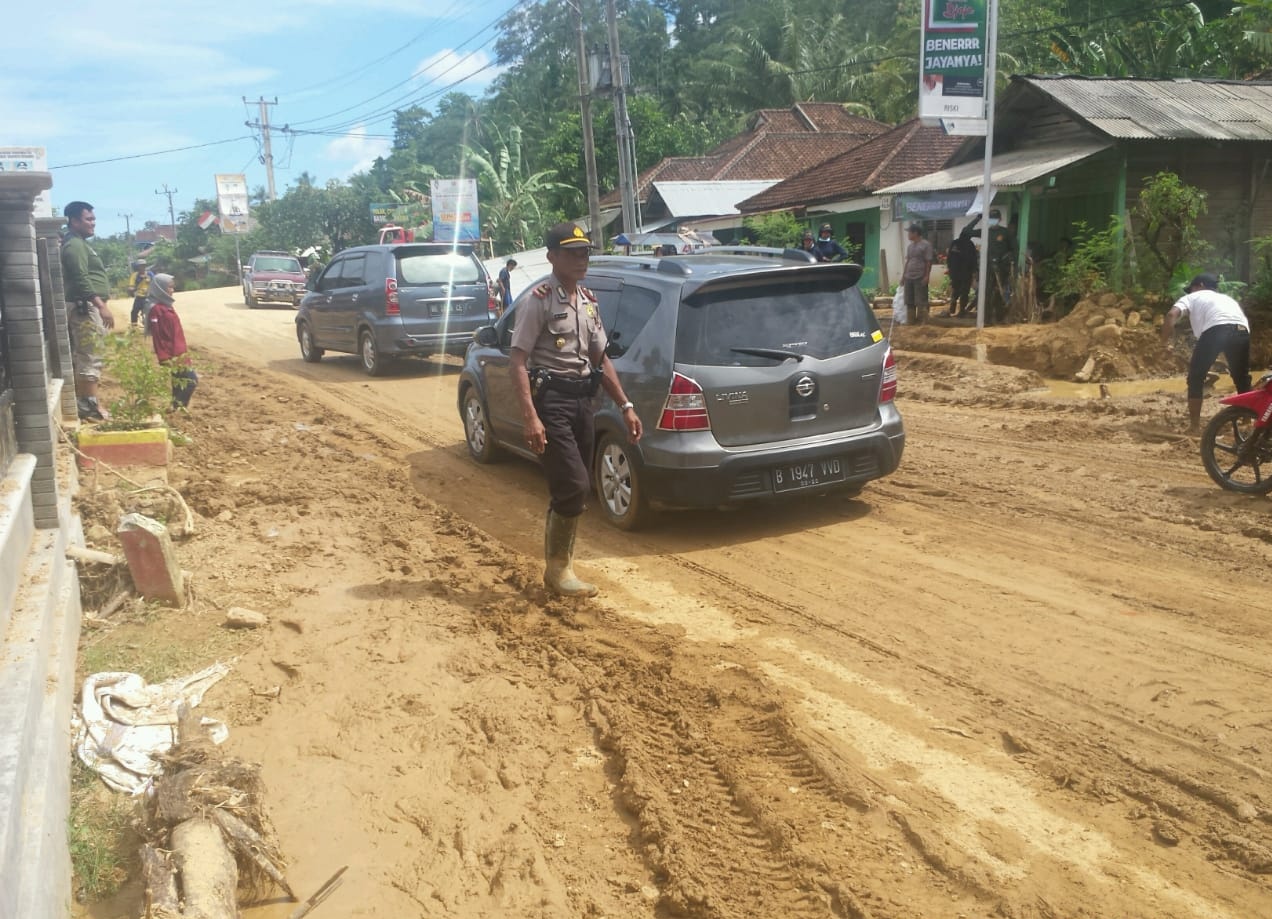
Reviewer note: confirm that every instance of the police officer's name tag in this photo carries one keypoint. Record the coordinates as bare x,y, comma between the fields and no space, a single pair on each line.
560,315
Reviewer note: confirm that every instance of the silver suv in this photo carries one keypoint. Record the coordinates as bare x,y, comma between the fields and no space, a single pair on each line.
758,374
384,302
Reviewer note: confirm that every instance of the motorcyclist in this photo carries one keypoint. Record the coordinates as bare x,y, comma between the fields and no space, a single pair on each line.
827,249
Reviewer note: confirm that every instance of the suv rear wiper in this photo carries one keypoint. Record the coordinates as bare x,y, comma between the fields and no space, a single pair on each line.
775,353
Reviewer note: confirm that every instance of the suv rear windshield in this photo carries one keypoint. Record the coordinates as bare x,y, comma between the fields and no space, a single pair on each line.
820,319
276,263
439,268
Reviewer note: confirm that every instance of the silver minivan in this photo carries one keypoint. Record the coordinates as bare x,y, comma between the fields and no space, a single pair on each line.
757,374
390,301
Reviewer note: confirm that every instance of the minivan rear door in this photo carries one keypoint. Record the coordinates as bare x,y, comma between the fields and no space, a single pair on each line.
782,354
442,290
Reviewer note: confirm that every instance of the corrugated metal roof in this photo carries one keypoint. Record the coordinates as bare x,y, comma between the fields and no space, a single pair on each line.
1009,169
698,199
1165,109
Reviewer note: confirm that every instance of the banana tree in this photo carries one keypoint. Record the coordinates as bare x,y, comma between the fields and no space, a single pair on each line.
511,211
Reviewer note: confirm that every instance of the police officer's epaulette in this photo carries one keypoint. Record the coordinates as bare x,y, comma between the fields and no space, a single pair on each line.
542,290
587,292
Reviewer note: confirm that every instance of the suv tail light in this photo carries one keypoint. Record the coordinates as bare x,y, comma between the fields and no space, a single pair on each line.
391,305
888,386
685,408
492,303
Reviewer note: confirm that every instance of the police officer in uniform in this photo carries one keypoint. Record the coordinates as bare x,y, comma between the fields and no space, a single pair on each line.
558,362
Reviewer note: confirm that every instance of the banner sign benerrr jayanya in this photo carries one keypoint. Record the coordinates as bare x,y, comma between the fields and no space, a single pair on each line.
952,63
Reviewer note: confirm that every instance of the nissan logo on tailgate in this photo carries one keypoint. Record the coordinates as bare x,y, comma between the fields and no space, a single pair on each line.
805,386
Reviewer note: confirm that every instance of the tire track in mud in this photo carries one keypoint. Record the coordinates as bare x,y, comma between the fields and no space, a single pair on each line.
737,817
1212,810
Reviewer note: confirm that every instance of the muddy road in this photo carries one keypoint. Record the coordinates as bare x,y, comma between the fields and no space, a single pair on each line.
1026,676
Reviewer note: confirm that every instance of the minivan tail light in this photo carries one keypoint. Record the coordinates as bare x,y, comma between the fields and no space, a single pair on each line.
391,305
888,387
685,408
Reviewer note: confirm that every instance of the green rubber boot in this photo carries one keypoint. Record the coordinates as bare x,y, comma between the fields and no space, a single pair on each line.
558,549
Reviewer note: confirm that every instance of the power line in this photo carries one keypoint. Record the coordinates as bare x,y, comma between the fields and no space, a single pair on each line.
138,156
492,24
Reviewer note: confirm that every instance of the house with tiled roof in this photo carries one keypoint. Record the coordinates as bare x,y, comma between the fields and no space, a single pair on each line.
776,144
842,190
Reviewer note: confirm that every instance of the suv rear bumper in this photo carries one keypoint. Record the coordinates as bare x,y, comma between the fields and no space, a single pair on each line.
742,477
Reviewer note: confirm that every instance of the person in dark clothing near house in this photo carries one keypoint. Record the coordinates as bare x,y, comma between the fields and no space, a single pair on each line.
808,244
1002,261
505,285
168,339
828,250
961,264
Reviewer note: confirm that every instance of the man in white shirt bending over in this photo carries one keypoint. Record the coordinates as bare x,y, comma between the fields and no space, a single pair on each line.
1220,327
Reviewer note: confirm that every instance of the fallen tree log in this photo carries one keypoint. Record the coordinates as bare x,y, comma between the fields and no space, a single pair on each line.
208,872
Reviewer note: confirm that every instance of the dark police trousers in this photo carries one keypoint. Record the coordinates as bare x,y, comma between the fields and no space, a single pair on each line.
568,423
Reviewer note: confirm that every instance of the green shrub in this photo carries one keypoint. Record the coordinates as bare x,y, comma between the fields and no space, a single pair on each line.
145,385
1166,224
1093,264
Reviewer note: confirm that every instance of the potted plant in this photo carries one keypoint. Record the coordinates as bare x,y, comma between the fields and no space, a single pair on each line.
135,434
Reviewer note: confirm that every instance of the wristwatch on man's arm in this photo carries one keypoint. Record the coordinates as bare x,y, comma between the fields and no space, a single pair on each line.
626,406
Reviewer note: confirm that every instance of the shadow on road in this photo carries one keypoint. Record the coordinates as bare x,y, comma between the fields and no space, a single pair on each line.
504,495
347,368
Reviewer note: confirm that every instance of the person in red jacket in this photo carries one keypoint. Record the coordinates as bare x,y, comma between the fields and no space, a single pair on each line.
168,339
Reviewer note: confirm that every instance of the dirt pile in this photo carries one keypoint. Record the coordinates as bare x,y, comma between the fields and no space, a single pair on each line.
1105,339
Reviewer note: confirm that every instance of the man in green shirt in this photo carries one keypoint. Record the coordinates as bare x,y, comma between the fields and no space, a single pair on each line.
87,289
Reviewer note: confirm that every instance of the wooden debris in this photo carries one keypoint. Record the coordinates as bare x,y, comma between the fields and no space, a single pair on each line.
159,878
82,554
319,895
250,844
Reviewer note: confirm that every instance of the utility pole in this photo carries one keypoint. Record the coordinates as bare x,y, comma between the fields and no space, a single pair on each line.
622,126
267,154
172,215
589,143
128,230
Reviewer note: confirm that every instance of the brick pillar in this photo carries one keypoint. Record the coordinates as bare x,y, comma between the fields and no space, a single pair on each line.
20,289
49,228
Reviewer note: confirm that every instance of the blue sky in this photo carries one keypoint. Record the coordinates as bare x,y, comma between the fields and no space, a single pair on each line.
99,80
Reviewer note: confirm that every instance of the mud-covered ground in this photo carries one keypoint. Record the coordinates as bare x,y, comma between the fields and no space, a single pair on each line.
1026,676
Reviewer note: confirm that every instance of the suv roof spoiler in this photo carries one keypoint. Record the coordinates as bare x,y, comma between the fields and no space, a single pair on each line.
681,266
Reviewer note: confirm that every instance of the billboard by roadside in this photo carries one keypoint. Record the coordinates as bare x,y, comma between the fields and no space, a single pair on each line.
952,60
29,159
455,209
231,201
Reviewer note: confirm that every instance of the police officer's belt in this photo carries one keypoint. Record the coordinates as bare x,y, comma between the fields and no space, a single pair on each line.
573,386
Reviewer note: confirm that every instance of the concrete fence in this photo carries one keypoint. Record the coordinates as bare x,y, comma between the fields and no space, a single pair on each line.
39,588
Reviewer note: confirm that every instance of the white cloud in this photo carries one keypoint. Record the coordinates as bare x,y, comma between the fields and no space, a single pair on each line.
356,151
448,67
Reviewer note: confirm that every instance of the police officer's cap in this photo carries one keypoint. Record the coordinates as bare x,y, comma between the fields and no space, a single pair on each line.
567,236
